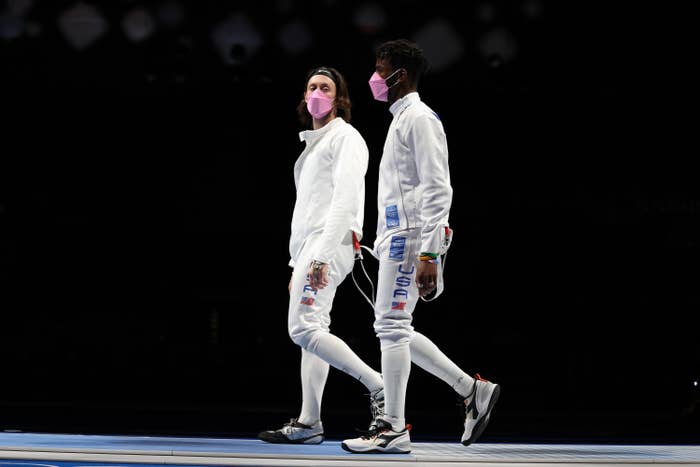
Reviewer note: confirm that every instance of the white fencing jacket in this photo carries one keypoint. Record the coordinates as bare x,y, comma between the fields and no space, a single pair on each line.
330,181
414,178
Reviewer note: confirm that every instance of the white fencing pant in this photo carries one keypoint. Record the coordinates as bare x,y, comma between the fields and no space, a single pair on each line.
309,310
397,293
309,322
397,296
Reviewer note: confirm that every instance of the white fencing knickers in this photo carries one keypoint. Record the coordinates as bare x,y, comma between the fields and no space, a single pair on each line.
397,293
309,310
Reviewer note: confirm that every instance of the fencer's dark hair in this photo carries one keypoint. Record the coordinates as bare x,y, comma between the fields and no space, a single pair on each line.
402,53
343,105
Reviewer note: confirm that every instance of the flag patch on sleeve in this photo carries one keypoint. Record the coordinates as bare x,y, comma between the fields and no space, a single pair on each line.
397,248
392,216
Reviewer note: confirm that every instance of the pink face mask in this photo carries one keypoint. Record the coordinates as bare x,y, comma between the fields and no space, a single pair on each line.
318,104
379,88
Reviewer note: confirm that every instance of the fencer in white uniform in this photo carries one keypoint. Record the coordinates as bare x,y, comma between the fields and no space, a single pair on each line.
413,235
329,210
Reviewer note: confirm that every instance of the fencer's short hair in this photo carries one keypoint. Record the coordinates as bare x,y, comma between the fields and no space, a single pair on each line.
402,53
343,104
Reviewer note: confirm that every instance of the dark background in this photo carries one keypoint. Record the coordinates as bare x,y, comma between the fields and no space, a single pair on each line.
146,193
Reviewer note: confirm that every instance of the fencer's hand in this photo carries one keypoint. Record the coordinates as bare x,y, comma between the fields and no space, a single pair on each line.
426,277
318,278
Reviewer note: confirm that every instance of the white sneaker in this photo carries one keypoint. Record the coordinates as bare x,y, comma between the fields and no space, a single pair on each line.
294,432
478,407
383,439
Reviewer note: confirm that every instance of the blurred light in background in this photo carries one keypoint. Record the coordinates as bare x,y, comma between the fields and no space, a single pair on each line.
532,9
441,43
11,26
19,7
236,39
284,6
369,18
170,14
485,13
12,20
498,46
82,25
138,24
295,37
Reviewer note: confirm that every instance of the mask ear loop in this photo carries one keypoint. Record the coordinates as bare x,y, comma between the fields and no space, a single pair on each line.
358,256
396,80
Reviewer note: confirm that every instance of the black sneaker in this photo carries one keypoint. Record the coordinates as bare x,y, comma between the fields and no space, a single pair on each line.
294,432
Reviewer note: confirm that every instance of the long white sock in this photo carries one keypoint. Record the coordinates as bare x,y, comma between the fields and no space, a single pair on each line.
426,355
333,350
396,368
314,373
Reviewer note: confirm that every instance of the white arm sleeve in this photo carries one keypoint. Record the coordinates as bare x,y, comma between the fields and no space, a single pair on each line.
350,166
428,140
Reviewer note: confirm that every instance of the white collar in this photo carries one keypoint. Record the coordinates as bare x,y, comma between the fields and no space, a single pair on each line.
310,135
404,102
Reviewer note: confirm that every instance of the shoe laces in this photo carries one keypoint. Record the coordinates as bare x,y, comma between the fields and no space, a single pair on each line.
376,404
381,427
377,427
293,423
471,406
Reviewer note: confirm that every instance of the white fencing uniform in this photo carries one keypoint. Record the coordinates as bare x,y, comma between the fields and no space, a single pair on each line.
414,199
329,177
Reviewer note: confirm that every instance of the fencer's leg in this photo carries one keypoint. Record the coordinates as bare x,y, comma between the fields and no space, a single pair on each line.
396,368
309,318
396,298
428,356
336,352
314,373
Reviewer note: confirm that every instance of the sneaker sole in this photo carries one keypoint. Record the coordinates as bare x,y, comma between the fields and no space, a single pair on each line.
375,451
316,439
481,424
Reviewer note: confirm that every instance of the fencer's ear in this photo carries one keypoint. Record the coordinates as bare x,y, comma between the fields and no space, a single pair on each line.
395,77
401,76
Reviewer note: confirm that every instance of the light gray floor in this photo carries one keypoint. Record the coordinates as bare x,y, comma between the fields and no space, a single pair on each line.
236,451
